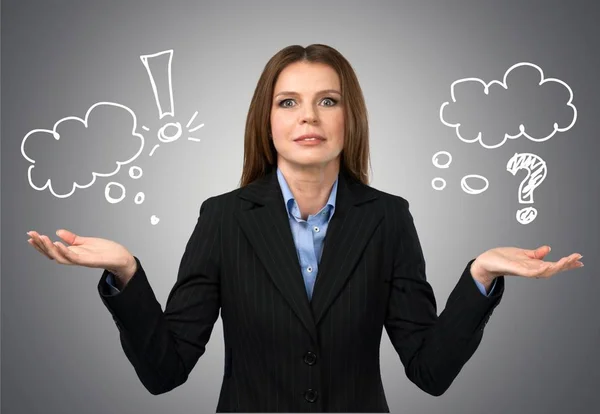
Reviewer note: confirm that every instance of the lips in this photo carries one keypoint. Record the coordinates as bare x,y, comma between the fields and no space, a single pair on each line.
310,137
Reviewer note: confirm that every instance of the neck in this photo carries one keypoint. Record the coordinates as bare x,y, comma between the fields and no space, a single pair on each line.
310,185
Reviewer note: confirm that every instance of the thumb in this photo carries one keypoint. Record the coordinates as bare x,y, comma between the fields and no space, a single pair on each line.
69,237
541,251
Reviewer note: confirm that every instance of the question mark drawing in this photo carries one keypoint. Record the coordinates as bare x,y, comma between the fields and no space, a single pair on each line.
536,173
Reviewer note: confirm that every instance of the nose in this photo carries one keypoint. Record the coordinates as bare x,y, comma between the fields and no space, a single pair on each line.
309,116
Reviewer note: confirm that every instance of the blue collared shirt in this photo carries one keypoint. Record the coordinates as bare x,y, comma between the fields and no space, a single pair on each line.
310,233
308,236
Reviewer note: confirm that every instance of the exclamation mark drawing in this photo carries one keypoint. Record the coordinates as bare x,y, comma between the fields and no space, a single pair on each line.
158,66
161,60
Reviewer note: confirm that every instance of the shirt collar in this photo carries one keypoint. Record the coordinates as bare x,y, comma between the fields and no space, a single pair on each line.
290,201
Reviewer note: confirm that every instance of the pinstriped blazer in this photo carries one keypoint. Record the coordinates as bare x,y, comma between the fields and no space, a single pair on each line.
284,353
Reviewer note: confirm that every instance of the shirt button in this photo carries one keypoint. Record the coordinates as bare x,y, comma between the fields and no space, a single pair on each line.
311,395
310,358
316,229
309,269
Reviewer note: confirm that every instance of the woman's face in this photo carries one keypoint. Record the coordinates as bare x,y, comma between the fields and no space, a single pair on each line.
307,100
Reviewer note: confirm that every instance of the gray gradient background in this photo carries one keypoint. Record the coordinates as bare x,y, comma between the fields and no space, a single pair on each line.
60,347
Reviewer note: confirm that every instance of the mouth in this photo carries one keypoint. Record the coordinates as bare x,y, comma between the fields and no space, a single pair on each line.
309,138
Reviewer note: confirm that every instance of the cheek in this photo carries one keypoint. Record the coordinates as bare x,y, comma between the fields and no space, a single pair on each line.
340,127
281,123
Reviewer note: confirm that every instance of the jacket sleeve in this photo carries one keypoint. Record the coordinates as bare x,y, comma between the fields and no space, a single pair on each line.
164,347
432,349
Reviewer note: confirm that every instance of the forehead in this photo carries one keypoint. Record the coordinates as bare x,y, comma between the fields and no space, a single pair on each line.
304,76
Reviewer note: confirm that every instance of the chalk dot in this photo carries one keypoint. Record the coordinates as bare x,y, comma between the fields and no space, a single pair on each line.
467,189
171,135
133,170
442,185
435,157
107,192
139,198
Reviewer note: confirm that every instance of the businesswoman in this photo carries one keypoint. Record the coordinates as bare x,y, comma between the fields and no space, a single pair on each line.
305,261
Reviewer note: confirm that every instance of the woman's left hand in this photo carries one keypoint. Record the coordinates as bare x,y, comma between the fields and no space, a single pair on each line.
513,261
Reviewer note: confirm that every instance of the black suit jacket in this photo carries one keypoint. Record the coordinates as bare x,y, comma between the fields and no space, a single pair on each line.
284,353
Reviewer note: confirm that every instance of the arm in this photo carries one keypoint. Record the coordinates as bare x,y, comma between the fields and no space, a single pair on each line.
164,347
433,349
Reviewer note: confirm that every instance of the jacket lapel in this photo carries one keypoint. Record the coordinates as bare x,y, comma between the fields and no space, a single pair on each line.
265,223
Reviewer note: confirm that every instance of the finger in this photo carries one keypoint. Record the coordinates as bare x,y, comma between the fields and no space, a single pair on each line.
53,251
574,262
38,248
66,253
37,238
69,237
60,256
541,252
47,244
563,264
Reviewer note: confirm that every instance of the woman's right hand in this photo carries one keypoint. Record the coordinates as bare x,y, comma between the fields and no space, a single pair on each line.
87,251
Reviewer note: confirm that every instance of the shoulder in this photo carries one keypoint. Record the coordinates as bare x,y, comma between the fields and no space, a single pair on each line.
221,202
390,201
396,211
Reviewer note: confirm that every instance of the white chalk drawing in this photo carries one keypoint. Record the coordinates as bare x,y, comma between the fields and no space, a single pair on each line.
47,133
169,132
522,128
435,162
139,198
536,173
107,189
191,119
441,186
534,165
467,189
132,172
157,57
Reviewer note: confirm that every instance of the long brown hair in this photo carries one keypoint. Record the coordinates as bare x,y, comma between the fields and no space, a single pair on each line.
260,155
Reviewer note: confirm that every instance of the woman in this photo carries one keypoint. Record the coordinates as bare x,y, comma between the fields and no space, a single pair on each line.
295,342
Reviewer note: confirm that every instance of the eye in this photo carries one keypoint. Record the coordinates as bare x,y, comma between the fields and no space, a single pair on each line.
282,103
332,100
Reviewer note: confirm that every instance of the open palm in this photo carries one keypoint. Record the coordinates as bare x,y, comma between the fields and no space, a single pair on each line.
524,262
91,252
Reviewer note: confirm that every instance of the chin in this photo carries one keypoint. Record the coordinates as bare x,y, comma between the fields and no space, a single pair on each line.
310,161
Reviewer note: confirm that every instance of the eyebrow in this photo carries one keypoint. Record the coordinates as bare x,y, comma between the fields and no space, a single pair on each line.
318,93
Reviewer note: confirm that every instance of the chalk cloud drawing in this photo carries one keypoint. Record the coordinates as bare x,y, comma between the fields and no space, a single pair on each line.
481,137
534,165
45,134
169,132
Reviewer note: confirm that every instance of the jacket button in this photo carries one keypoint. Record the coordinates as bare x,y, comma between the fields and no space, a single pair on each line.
310,395
310,358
